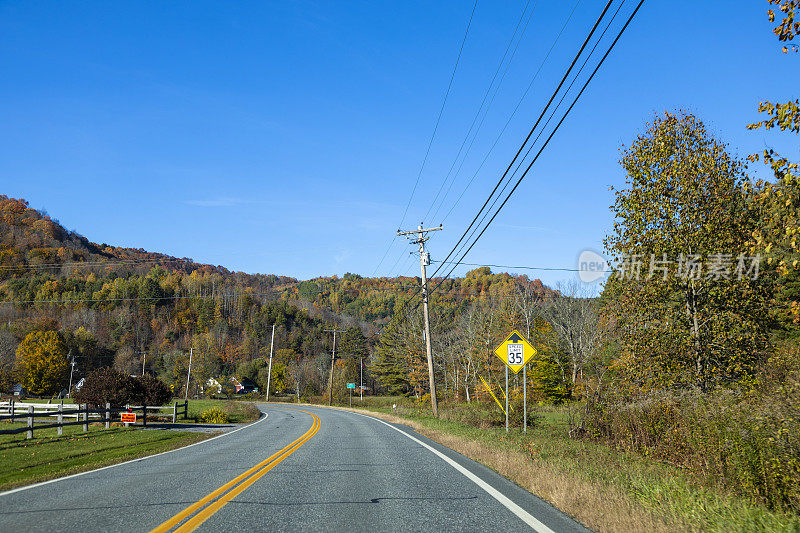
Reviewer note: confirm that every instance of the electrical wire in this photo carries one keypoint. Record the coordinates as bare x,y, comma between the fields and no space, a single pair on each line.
433,135
505,126
483,102
530,134
517,267
585,85
547,123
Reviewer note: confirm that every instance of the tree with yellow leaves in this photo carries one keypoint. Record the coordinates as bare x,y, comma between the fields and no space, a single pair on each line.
42,362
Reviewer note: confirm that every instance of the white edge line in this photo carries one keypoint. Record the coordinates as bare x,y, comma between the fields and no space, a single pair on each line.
521,513
26,487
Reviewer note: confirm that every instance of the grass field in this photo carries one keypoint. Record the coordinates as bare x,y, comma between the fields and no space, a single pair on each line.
237,412
606,489
48,456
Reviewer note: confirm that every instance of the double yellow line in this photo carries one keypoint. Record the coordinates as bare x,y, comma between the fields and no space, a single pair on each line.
199,512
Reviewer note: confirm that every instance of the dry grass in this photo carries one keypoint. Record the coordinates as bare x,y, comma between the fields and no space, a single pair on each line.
596,505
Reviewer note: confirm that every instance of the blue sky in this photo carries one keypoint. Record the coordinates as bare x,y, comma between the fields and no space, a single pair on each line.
286,137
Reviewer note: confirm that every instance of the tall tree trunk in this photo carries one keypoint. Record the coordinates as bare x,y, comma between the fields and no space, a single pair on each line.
696,336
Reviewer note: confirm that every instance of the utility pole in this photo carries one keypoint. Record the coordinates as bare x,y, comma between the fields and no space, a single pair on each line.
269,372
333,362
72,368
425,260
189,373
144,360
361,378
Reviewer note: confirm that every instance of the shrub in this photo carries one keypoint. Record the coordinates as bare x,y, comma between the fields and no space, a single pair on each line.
215,415
515,415
108,385
746,442
117,388
154,391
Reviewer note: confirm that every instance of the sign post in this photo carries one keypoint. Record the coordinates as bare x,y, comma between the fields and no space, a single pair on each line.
525,399
515,352
350,387
506,398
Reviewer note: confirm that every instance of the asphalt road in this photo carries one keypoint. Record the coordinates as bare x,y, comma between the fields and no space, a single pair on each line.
346,472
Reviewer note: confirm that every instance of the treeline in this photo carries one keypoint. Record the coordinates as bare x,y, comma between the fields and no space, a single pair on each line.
140,312
464,337
135,311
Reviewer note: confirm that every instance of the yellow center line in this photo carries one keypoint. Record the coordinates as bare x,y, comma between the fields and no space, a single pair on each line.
230,490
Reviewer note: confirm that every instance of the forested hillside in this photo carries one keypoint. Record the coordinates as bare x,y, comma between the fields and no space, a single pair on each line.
142,311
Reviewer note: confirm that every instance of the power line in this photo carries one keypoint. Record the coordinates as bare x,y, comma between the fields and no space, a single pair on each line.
441,110
533,129
206,296
585,85
514,267
519,151
120,262
547,123
483,102
210,297
433,135
505,126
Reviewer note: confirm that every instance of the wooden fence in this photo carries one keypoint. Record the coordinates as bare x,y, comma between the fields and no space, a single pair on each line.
29,412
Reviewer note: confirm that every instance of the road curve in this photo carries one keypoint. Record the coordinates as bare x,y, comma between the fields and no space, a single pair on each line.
312,469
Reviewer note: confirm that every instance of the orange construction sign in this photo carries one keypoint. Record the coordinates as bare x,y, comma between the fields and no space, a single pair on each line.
128,418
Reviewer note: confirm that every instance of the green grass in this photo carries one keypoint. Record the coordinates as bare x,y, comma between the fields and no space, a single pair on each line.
48,456
665,491
67,401
238,412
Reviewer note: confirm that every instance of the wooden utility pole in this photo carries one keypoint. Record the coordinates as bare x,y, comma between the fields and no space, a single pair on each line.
189,373
425,260
71,370
333,363
269,372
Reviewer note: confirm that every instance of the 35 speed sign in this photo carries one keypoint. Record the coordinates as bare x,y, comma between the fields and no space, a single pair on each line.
515,351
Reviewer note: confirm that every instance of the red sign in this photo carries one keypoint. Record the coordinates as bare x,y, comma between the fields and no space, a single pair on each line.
128,417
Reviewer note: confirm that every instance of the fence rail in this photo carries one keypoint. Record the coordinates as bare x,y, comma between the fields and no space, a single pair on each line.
27,412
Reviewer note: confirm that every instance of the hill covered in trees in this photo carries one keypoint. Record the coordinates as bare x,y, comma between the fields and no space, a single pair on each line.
140,311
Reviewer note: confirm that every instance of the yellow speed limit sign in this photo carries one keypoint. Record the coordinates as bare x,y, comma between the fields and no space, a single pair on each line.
515,351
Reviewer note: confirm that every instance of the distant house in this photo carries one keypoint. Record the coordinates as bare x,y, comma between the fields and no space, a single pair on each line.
244,385
18,390
213,386
241,385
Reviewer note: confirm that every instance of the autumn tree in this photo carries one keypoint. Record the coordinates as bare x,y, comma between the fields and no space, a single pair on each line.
8,348
777,237
574,318
390,367
42,362
689,311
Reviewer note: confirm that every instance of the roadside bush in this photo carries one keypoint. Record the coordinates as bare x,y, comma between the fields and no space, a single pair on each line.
215,415
154,391
108,385
746,442
515,414
117,388
476,414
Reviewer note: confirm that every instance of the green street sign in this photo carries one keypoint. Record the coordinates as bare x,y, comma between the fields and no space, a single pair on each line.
351,385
